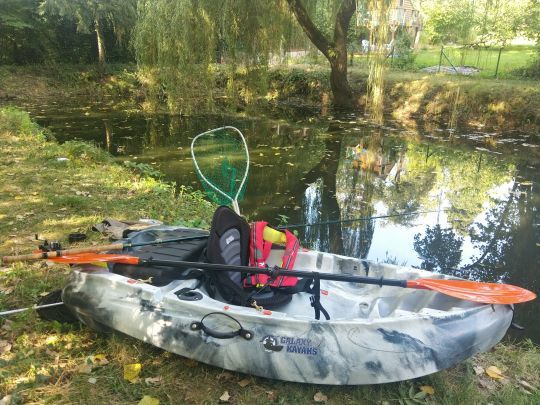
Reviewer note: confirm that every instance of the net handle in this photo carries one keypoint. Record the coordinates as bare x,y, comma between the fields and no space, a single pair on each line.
234,201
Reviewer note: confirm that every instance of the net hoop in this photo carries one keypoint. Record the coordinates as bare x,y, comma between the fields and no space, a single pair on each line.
234,201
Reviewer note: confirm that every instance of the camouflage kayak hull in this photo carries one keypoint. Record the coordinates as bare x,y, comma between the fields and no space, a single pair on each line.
375,335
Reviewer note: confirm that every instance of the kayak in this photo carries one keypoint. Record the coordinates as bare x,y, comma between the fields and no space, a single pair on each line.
374,335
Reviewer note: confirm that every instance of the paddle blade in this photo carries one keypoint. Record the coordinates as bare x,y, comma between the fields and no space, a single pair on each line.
486,293
85,258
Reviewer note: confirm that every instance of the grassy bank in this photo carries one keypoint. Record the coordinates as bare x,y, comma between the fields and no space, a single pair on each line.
425,100
418,100
43,362
60,84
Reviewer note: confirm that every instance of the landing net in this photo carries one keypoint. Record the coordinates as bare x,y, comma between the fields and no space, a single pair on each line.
221,160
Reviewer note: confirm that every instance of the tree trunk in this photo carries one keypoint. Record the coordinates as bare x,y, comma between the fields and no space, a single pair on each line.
335,51
339,84
101,46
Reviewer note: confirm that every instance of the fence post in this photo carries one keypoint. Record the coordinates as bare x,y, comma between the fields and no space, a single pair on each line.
498,61
440,59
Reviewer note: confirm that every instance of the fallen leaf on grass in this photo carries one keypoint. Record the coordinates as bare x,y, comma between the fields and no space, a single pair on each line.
84,368
5,346
6,290
191,363
479,370
225,397
148,400
271,395
320,397
428,389
6,400
132,371
100,359
153,380
526,385
244,383
225,375
494,373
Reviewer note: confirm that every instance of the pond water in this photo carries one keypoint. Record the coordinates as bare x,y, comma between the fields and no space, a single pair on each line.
462,204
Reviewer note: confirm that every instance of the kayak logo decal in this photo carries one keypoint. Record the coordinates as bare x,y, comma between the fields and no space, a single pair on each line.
296,345
270,344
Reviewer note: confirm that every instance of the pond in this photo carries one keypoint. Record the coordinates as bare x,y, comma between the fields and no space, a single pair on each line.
462,204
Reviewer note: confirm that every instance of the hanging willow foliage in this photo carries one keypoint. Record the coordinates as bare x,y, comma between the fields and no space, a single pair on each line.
179,46
379,10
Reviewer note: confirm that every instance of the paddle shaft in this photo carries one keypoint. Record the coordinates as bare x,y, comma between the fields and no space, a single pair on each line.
92,249
273,272
487,293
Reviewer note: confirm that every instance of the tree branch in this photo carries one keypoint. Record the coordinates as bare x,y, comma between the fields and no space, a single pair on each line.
343,19
314,34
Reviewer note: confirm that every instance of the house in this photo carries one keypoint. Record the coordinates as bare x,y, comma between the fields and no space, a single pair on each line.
403,14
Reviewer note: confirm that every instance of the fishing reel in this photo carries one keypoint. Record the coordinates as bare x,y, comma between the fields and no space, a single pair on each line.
47,246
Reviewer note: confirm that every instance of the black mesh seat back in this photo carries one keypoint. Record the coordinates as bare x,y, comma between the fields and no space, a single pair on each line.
228,242
188,250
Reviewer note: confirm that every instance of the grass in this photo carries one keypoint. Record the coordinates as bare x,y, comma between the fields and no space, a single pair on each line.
512,58
44,362
424,101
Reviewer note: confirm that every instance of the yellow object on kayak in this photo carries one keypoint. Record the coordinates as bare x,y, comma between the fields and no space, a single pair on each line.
274,236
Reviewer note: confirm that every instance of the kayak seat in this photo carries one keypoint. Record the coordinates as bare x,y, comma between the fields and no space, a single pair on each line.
187,250
228,243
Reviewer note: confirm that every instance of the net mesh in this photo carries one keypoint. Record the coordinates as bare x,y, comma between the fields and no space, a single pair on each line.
221,162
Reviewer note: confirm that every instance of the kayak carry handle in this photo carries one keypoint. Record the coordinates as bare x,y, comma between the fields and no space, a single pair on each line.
246,334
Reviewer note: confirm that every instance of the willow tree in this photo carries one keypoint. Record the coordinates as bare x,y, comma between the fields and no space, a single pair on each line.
378,37
179,40
92,15
178,45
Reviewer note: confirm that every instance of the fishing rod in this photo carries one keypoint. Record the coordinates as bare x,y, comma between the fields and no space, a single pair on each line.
120,246
16,311
93,249
341,221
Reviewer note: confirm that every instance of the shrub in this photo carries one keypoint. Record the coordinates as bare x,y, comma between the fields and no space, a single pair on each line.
403,54
532,70
18,123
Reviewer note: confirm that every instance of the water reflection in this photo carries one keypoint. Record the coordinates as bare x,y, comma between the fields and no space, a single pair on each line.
456,208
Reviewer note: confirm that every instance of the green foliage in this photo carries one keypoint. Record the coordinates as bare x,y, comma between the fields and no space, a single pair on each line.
18,122
451,21
23,37
144,169
403,53
177,45
532,70
32,32
285,83
92,15
83,151
481,22
529,22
